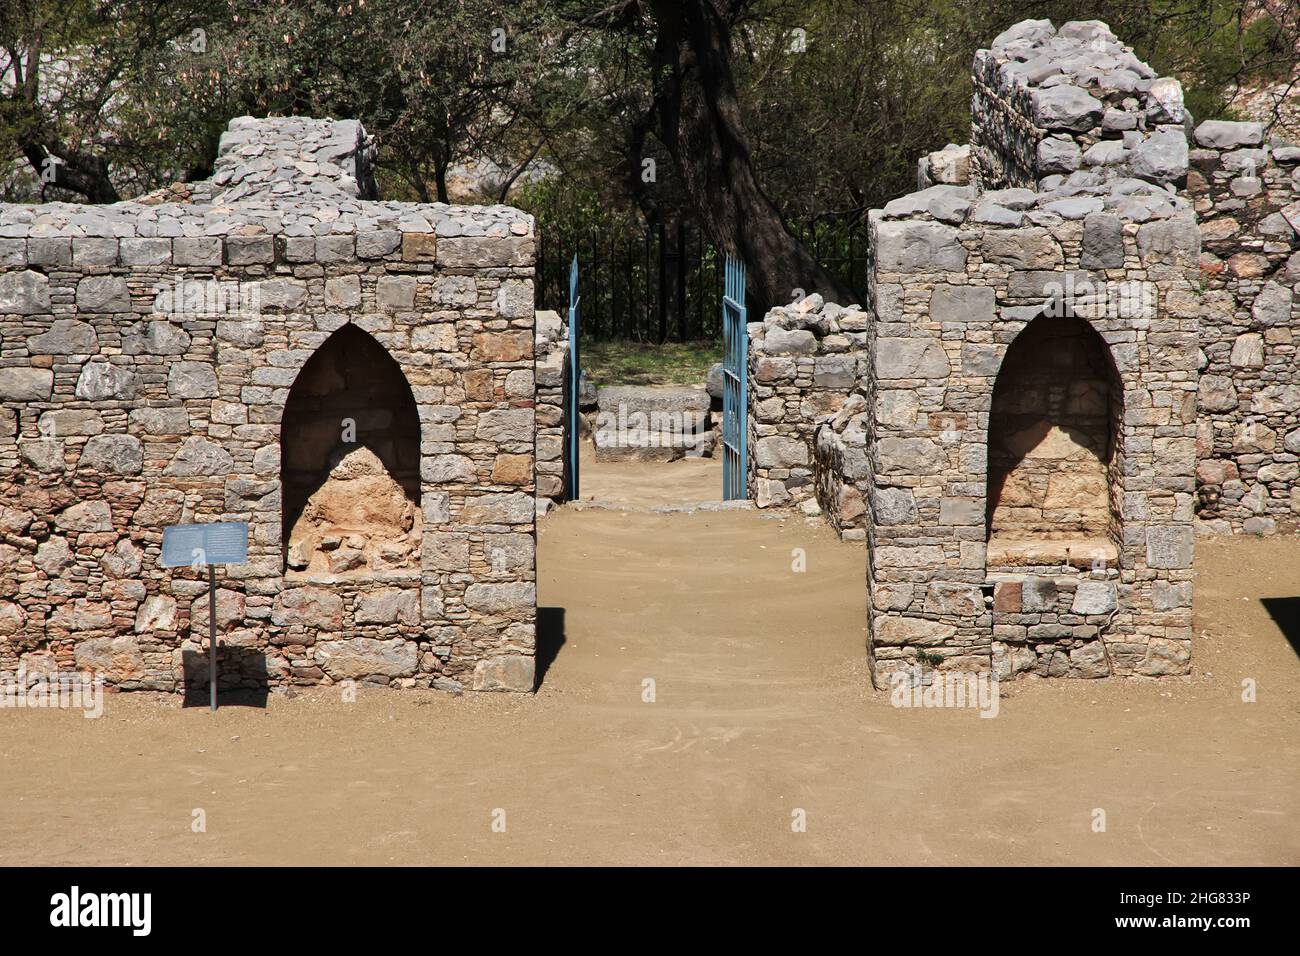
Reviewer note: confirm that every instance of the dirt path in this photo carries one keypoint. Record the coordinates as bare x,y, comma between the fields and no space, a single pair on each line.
761,707
639,484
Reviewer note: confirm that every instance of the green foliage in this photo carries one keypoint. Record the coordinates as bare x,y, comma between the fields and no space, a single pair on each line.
835,121
569,207
97,78
836,126
436,83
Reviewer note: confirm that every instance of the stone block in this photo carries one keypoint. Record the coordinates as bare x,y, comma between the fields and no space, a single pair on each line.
343,292
1103,242
100,381
103,294
910,456
507,672
191,380
777,451
1028,248
1094,597
24,293
388,606
113,455
1066,107
1224,134
317,608
363,657
395,293
481,252
250,250
910,246
1039,594
65,337
197,251
904,358
1169,547
21,384
198,456
511,598
892,630
961,303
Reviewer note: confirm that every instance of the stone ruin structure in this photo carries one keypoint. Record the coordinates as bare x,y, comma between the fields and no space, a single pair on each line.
1077,352
354,378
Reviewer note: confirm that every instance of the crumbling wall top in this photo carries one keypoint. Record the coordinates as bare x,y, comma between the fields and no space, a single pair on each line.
1050,102
294,156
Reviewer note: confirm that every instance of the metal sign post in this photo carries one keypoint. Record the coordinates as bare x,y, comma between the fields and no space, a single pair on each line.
207,545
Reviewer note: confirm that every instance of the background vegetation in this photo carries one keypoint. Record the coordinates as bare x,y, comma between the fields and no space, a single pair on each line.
612,119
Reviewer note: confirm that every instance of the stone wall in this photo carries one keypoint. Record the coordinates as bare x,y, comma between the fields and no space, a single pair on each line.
147,352
955,280
552,348
1059,378
804,360
1247,194
842,469
1030,426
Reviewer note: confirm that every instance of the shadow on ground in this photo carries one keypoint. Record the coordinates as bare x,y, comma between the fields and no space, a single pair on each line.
550,638
1285,612
241,678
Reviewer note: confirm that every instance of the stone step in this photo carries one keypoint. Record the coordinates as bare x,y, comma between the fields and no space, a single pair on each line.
666,423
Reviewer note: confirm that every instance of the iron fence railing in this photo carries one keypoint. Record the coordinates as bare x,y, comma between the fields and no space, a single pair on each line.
666,283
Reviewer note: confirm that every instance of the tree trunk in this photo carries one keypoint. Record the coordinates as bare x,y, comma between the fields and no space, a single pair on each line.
700,123
440,178
77,172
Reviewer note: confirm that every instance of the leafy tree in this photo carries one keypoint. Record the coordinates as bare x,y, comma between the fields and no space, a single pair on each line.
69,74
437,83
740,115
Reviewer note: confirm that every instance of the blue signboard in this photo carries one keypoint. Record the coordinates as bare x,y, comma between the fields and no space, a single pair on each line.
200,545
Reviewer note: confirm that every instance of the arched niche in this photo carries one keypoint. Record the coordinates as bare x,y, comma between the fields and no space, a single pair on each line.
350,462
1054,455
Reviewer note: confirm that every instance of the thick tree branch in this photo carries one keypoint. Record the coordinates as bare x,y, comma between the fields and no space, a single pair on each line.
700,124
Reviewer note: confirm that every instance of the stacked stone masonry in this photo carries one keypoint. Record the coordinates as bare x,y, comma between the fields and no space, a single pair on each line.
149,350
552,346
1077,349
804,361
1246,191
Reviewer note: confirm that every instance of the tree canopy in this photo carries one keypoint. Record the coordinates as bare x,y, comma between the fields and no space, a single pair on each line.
739,116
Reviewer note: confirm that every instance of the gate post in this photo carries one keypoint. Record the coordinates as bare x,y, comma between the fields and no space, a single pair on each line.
574,384
735,384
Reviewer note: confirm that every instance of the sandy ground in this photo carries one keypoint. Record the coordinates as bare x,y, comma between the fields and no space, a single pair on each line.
761,709
673,484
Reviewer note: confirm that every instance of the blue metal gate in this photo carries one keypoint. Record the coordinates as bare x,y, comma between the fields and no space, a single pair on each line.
574,383
735,384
